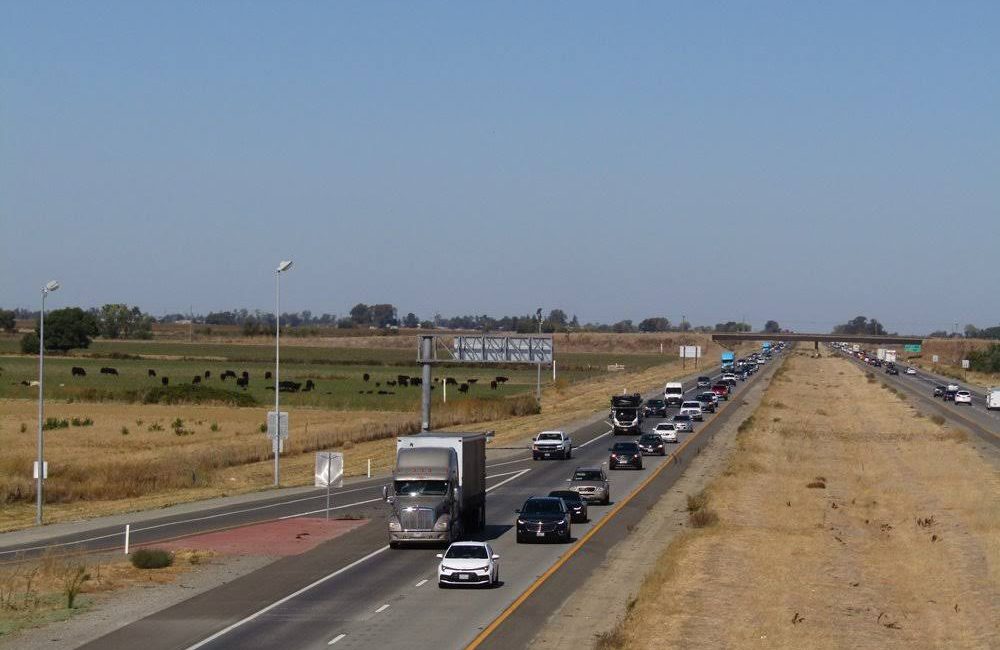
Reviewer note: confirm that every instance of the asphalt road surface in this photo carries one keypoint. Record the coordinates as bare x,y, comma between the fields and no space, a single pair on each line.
355,592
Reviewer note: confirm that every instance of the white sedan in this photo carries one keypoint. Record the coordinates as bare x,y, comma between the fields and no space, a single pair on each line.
469,563
963,397
911,370
667,431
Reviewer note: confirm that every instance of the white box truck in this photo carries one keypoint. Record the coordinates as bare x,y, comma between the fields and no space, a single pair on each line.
993,398
438,490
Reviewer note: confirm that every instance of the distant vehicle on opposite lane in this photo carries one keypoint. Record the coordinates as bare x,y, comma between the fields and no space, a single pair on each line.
939,391
911,370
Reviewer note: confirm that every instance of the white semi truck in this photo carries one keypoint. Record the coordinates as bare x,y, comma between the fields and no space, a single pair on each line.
438,491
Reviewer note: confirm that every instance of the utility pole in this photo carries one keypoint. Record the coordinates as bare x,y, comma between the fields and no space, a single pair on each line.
46,290
538,385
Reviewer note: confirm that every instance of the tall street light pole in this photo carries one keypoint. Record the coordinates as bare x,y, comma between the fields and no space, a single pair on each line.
46,290
538,384
276,443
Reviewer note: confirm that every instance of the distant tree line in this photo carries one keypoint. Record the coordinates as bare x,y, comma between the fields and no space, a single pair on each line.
861,325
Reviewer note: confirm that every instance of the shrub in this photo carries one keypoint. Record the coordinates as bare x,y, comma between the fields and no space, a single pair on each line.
29,343
696,502
190,394
85,422
72,583
151,558
155,426
703,518
24,427
214,427
55,423
820,485
262,428
125,431
937,419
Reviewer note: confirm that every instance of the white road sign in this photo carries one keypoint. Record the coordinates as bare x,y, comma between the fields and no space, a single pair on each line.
690,352
329,469
965,364
272,427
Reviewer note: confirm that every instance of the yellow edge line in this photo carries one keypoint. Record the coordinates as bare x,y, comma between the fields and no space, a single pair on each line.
504,615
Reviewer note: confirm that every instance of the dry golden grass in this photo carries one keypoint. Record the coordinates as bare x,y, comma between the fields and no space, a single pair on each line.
32,593
900,549
98,470
950,354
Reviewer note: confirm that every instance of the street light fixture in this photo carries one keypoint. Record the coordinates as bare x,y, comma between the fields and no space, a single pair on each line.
283,266
538,381
51,286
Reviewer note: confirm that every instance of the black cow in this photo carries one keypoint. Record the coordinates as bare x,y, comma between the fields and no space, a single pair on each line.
78,371
267,374
109,371
416,381
208,373
502,380
464,388
289,386
246,375
366,377
493,384
243,382
450,381
151,372
164,380
196,380
402,379
309,385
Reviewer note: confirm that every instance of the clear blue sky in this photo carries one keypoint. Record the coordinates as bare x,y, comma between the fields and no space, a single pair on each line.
801,161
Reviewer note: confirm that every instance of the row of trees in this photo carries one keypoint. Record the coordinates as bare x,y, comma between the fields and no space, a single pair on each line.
73,327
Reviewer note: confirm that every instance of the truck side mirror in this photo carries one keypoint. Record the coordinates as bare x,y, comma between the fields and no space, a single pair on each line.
385,492
496,557
517,511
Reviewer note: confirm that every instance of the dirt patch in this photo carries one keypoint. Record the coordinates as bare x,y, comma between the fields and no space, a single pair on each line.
280,538
899,548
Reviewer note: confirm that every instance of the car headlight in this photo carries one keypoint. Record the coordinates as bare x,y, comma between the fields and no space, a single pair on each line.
442,522
394,525
521,522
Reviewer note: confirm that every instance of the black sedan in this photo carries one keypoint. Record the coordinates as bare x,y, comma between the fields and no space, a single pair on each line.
543,518
939,391
577,506
655,408
625,454
651,444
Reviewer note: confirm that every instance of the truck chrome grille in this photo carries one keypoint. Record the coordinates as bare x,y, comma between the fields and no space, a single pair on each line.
417,519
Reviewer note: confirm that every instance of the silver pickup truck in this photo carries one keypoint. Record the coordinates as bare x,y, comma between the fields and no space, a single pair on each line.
551,444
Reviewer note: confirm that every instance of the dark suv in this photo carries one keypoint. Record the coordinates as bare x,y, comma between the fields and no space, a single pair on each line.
542,518
651,444
577,506
656,408
625,454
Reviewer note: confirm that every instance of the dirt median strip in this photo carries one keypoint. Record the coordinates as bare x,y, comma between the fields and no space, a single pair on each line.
845,519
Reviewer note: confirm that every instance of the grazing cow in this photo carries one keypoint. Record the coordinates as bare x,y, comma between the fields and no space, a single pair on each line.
78,371
164,380
502,380
25,382
310,384
208,373
416,381
267,375
493,384
196,380
450,381
109,371
289,386
246,375
151,372
228,373
464,388
402,379
366,377
243,382
391,382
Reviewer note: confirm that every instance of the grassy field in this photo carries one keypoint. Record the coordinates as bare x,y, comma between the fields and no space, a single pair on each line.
117,453
845,519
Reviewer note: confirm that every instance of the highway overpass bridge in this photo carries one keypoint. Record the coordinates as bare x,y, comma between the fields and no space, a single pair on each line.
881,341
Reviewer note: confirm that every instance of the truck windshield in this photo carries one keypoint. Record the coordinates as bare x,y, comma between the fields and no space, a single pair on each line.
422,488
550,436
673,391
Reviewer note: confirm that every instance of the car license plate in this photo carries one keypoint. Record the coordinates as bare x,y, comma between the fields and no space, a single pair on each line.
463,576
547,454
539,534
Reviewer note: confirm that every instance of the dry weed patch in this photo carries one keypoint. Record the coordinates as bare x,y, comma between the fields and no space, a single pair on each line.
846,522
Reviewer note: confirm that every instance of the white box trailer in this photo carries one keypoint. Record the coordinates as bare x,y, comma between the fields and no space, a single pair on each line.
993,398
890,356
880,354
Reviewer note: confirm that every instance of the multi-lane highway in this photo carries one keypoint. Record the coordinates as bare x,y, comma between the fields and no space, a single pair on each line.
975,417
354,592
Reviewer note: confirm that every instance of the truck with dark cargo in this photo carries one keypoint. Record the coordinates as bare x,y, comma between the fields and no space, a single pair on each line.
438,490
626,413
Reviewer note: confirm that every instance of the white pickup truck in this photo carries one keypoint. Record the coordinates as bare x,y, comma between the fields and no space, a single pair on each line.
550,444
692,408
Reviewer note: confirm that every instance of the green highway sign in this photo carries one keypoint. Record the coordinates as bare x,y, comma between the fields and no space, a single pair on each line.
912,347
